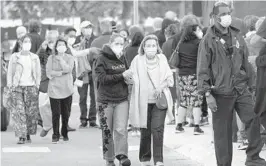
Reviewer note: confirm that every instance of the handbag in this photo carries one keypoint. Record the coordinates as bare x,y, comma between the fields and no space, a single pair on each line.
174,59
44,86
161,101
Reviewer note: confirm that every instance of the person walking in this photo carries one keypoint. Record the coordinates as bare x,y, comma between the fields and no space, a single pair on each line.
23,80
59,69
224,76
151,79
112,98
44,52
187,64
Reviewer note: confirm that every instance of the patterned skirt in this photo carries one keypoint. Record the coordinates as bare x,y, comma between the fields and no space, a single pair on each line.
189,96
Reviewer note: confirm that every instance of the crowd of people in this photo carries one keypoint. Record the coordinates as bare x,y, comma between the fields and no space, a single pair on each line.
137,78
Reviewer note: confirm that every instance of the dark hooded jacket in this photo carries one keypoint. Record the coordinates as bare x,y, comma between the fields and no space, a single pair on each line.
132,50
111,86
160,33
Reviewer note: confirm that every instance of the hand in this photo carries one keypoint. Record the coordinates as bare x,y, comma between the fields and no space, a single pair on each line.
45,44
158,92
129,81
211,103
127,74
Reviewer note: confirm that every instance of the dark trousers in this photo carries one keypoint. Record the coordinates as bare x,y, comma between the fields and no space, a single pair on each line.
60,106
155,127
222,126
83,95
260,105
204,107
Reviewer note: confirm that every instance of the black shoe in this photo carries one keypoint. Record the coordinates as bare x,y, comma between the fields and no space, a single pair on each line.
70,129
185,123
94,125
55,140
65,139
124,161
28,140
255,162
21,141
198,131
204,121
83,125
179,128
40,123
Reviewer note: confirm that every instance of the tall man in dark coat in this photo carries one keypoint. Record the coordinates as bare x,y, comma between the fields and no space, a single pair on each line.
224,77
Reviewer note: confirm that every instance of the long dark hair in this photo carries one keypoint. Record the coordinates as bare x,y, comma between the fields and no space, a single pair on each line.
20,41
188,33
56,43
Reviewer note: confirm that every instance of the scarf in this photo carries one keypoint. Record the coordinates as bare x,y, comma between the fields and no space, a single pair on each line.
138,111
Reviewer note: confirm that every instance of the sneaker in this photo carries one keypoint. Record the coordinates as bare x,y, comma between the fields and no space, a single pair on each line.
21,141
198,131
110,163
28,140
179,129
125,162
204,121
83,125
65,139
171,122
55,140
185,123
159,164
146,163
44,133
70,129
255,162
243,145
94,125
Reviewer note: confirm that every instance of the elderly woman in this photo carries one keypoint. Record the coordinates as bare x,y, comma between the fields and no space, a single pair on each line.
112,98
151,80
60,87
44,52
23,79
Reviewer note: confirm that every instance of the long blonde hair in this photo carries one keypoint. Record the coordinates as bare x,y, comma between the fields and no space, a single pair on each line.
149,37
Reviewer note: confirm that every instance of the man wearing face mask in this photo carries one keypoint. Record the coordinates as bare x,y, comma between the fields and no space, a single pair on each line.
224,77
84,74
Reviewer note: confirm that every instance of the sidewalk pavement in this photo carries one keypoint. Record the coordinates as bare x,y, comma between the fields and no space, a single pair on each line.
199,147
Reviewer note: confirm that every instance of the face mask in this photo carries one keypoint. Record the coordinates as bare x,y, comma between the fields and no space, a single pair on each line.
87,31
117,50
26,46
199,34
226,21
71,41
61,49
151,51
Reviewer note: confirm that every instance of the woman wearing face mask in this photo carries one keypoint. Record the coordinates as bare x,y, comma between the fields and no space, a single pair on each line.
187,64
152,76
44,52
60,88
112,98
23,79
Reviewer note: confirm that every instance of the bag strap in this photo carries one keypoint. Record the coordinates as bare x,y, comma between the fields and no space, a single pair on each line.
151,80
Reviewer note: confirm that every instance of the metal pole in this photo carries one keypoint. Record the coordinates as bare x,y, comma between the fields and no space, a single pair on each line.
136,11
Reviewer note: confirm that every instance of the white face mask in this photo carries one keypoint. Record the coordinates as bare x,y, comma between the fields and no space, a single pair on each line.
71,40
150,52
117,50
26,46
61,49
226,21
199,34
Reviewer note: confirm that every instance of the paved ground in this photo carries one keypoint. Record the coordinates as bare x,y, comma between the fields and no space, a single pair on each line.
83,149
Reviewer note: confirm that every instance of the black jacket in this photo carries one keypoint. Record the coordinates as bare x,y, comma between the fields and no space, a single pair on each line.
36,42
111,86
216,71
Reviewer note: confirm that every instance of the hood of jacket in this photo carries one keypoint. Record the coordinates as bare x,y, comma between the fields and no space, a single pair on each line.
166,22
108,52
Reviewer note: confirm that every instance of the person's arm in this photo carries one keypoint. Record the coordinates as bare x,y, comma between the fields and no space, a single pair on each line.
67,66
9,76
104,78
167,50
203,68
49,69
79,53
